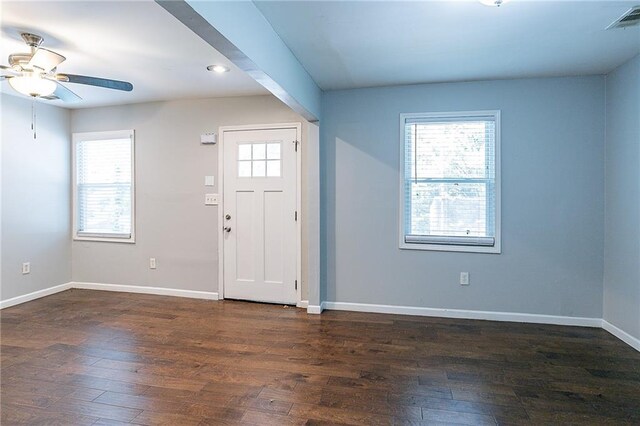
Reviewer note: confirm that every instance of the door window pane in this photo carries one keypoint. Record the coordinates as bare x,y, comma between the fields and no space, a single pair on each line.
244,168
273,151
273,168
259,168
259,152
244,152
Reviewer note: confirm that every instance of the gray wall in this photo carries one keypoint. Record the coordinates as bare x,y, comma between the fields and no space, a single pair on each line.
35,197
622,199
172,223
552,200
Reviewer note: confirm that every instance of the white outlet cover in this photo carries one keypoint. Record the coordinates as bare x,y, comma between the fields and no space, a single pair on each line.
210,199
209,180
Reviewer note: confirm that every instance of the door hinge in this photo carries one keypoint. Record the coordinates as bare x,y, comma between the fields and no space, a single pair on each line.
296,284
295,215
295,144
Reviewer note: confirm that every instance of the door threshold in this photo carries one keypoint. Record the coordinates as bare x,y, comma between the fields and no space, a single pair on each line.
257,302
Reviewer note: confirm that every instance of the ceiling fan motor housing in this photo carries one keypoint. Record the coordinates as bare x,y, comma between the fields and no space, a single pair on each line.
22,59
32,40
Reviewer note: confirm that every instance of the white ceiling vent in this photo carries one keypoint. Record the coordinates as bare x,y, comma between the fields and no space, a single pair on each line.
630,18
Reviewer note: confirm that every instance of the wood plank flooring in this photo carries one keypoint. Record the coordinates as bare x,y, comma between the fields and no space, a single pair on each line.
101,358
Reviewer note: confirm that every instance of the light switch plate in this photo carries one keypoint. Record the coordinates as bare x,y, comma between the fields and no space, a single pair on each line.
210,199
209,180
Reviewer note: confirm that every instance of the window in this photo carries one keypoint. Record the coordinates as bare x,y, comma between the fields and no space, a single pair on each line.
259,159
450,181
103,179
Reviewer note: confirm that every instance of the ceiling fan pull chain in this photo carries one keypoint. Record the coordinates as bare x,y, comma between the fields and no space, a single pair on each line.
33,117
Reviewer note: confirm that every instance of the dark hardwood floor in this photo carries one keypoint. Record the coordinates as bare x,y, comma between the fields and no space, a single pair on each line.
90,357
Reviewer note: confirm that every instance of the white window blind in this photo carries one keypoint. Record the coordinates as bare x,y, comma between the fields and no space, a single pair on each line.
104,185
449,180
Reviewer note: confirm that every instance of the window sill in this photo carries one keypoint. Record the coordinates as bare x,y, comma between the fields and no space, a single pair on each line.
105,239
452,248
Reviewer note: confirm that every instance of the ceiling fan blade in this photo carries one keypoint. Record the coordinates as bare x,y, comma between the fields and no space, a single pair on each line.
45,60
96,81
9,70
65,94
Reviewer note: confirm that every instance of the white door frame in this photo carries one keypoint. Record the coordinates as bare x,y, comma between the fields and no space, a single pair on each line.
221,132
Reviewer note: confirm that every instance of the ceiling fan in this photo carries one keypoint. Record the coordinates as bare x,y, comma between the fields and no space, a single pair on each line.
35,74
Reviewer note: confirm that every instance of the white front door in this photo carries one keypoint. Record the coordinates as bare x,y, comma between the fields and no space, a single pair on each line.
259,218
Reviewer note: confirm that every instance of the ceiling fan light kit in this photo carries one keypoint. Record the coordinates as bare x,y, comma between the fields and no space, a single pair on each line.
32,84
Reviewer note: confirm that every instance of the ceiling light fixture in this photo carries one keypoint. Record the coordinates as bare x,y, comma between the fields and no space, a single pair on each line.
220,69
33,84
495,3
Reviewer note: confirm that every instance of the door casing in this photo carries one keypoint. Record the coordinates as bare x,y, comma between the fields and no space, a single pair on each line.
221,133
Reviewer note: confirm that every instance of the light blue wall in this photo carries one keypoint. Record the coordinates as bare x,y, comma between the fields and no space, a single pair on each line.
552,191
622,199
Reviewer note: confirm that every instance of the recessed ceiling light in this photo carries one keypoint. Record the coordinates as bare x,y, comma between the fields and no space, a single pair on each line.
496,3
220,69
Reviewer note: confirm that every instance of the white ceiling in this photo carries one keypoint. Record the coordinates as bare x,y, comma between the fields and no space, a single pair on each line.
343,44
135,41
347,44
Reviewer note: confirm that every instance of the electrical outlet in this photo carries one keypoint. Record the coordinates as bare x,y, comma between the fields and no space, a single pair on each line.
464,278
152,263
26,268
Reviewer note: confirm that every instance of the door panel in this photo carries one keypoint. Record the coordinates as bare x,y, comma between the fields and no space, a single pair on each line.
260,242
273,233
245,236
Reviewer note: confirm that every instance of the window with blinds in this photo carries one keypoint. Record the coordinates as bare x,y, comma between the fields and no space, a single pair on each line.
450,181
104,185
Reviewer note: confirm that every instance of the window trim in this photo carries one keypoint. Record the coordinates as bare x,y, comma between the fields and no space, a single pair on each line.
496,248
90,236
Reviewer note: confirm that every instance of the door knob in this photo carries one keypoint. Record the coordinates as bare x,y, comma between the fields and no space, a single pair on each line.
228,217
227,229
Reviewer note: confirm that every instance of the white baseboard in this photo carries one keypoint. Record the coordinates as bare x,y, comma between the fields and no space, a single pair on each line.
464,314
35,295
160,291
315,309
304,304
622,335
